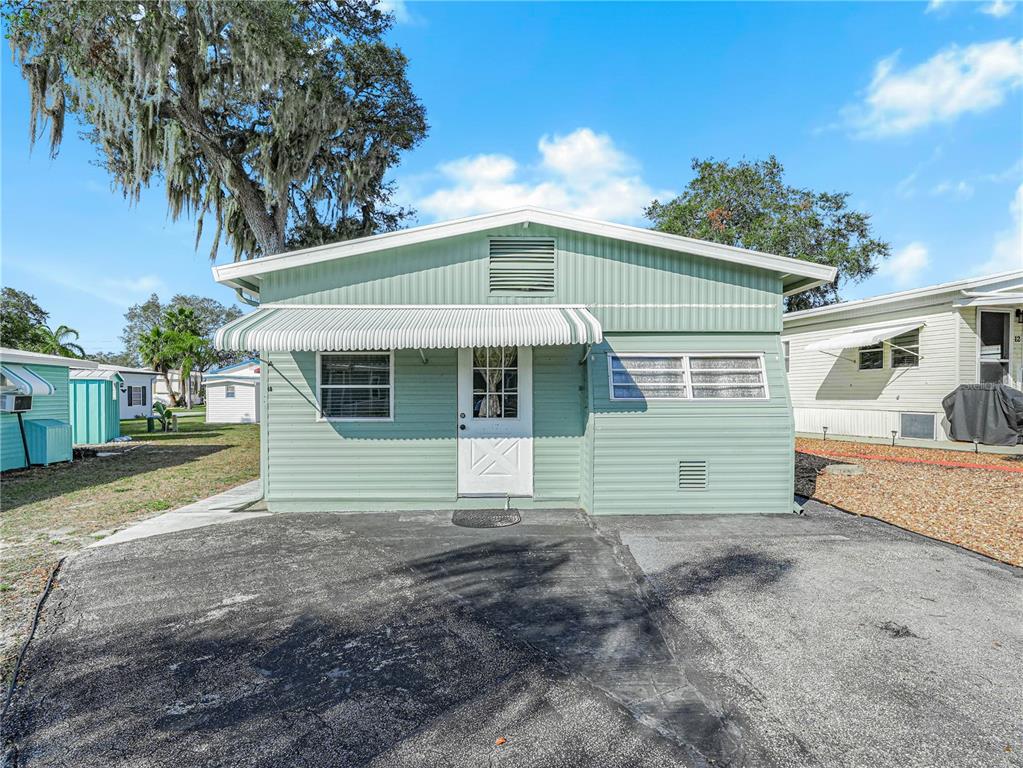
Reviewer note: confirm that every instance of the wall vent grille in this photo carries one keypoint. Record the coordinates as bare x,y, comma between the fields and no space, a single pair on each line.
692,475
522,265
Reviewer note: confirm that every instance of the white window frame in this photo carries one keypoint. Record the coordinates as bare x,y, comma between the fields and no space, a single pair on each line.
230,392
912,349
871,348
688,382
980,342
319,387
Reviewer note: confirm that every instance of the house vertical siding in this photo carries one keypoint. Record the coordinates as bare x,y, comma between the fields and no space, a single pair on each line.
637,445
55,406
95,411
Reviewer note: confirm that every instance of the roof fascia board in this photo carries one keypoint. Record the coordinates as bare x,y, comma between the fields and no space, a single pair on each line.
21,357
235,274
916,293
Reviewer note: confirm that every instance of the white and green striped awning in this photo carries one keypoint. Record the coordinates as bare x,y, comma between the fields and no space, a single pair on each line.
25,380
309,328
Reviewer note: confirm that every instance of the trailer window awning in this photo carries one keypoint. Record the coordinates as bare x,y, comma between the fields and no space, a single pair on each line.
345,328
862,337
25,381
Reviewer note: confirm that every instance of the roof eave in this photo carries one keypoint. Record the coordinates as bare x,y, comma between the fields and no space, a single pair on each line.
244,274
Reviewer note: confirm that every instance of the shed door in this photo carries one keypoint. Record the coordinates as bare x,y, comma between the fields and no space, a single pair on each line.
495,421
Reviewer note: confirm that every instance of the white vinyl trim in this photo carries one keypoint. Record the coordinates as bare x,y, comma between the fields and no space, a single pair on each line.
319,387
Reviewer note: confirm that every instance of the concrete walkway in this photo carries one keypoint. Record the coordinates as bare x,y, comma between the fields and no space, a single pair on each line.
226,507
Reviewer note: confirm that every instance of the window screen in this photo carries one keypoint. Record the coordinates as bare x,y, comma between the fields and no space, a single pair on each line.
872,357
906,350
356,385
994,347
687,377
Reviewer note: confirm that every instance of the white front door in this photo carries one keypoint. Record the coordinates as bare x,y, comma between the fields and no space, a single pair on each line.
495,421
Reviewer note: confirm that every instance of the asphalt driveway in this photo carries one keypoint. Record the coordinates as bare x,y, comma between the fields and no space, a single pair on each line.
401,640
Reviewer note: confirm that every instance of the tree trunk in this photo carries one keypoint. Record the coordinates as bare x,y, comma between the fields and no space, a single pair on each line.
186,388
170,388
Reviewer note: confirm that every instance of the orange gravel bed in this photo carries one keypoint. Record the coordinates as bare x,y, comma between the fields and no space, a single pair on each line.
978,509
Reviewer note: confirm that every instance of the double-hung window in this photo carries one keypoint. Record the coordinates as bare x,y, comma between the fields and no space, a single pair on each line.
872,357
229,391
356,386
687,377
906,350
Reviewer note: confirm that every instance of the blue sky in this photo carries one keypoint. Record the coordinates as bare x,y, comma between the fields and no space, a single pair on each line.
913,108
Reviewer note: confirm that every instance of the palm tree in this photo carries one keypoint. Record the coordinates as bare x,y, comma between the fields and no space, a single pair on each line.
157,351
58,342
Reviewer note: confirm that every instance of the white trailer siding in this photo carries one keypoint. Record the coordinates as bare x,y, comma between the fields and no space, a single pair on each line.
136,386
829,390
241,408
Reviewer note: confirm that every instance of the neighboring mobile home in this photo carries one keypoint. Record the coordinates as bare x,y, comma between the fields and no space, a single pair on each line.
136,391
161,394
232,394
35,419
558,360
876,366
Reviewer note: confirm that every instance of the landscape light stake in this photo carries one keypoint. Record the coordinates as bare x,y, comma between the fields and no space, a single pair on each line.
894,432
825,431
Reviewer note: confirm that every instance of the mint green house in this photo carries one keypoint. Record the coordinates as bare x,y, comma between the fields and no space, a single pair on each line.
526,357
35,408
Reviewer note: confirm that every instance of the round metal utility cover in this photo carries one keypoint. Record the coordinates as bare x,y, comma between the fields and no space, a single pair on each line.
485,518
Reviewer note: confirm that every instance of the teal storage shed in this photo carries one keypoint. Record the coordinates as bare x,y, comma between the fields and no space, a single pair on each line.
525,357
36,394
95,406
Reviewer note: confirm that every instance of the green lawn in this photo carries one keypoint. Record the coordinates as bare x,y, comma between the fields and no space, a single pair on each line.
49,512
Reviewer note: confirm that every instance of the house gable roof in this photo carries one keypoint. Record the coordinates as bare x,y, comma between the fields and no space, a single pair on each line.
797,275
37,358
999,281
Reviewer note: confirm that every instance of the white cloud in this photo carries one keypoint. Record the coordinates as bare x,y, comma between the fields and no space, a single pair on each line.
399,9
953,82
960,189
905,266
581,172
1007,253
119,292
935,5
998,8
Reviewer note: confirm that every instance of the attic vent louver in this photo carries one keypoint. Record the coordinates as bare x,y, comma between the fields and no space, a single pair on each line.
692,475
522,265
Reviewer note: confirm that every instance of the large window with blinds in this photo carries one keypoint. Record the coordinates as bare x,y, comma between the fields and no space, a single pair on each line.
356,386
687,377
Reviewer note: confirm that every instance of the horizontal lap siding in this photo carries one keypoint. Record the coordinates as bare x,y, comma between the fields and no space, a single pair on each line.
55,406
820,380
558,422
243,408
637,445
627,286
411,458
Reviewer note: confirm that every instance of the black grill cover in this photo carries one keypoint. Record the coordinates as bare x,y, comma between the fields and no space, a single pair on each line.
991,414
